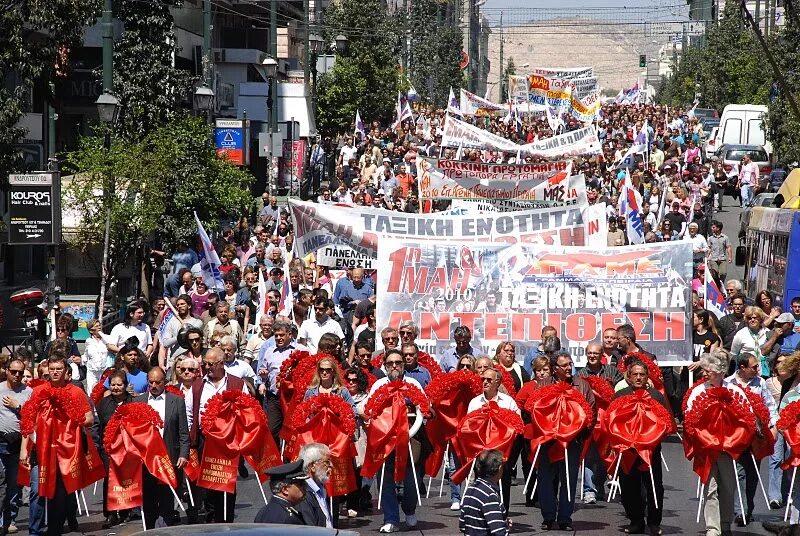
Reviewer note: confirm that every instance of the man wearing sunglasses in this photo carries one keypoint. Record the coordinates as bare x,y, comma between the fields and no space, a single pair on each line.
13,394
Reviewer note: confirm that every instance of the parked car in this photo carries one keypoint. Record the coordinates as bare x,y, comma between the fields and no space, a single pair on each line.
710,145
761,200
731,155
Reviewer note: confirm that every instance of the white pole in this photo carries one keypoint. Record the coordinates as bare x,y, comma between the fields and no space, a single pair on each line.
78,500
94,491
679,435
698,488
502,500
466,482
789,500
446,465
85,506
189,489
738,489
225,506
664,461
380,485
46,505
583,478
614,481
175,494
144,525
653,481
566,468
414,472
700,502
760,482
533,467
261,489
428,491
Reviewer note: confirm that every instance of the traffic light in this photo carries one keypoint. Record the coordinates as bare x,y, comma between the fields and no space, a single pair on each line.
642,61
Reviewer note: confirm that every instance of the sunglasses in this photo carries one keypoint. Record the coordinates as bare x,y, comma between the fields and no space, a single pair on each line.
193,339
406,333
490,380
187,369
394,363
325,370
210,363
352,380
16,372
463,365
413,354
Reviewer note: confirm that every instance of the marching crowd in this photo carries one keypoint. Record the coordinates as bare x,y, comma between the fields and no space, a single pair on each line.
205,341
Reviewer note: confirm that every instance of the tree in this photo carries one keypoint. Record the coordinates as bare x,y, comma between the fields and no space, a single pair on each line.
370,62
145,80
435,50
783,128
156,183
32,33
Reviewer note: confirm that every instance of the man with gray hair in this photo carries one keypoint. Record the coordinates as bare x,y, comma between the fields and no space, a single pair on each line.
317,465
481,512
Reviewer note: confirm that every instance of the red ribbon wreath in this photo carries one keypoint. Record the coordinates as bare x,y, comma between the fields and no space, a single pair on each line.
789,424
558,413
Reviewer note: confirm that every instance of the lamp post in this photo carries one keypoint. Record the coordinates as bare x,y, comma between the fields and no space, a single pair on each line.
268,70
204,101
316,45
108,108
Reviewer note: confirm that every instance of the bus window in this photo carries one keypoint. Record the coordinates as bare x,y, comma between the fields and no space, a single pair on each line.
733,131
755,132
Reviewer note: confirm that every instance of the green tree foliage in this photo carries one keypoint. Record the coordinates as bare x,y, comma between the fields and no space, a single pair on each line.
31,34
511,68
369,63
435,50
148,85
155,183
783,127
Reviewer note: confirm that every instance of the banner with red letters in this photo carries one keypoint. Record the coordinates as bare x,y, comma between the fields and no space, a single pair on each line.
508,292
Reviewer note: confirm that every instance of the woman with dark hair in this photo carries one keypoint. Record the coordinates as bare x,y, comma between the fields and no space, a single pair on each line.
766,301
118,395
356,382
64,328
132,327
132,361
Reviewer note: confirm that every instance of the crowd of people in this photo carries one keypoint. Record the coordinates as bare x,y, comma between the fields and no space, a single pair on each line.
207,341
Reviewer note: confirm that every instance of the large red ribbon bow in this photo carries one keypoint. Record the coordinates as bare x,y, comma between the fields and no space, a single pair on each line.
789,424
558,413
234,426
132,438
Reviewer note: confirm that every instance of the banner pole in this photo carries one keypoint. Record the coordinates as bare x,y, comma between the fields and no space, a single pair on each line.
189,489
85,506
175,494
533,468
760,482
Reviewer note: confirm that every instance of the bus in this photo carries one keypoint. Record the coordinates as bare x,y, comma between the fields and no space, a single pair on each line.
772,259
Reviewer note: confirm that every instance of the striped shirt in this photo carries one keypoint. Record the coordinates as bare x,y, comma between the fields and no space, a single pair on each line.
481,512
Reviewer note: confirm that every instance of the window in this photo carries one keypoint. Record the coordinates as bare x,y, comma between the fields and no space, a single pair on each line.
732,132
755,132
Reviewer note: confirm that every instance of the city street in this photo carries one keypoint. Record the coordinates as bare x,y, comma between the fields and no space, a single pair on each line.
435,517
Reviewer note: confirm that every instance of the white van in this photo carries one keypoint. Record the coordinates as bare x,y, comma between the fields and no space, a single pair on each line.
743,124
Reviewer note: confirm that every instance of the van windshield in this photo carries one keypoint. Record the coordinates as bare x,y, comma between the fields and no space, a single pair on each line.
732,131
755,132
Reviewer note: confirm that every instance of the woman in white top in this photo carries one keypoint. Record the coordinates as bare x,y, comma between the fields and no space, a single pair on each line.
132,326
752,337
95,355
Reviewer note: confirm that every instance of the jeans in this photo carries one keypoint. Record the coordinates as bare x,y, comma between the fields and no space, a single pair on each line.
594,475
775,471
389,503
452,466
11,500
552,486
747,194
36,524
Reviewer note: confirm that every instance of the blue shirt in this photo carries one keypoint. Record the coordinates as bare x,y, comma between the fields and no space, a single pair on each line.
790,343
450,358
137,379
349,293
530,357
272,358
420,374
184,259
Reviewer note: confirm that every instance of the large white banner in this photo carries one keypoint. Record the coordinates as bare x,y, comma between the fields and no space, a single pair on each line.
509,292
471,104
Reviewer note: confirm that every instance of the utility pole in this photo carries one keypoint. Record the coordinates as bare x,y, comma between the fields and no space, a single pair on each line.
758,14
208,56
501,98
307,39
108,45
786,90
273,51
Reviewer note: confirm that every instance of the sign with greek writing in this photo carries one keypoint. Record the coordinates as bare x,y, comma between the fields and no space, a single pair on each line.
34,208
341,257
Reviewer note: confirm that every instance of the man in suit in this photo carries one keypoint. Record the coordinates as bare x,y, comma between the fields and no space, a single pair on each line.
158,500
215,380
288,485
315,507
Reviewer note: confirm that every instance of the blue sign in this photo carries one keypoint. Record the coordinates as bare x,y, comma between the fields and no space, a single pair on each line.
229,140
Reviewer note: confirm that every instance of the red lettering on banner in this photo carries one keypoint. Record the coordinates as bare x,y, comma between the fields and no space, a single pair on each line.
638,321
594,227
434,328
630,267
669,326
468,319
538,82
572,236
612,320
496,326
399,316
581,327
398,259
526,326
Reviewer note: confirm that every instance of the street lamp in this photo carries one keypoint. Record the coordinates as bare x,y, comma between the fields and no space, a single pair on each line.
108,108
342,44
204,100
269,69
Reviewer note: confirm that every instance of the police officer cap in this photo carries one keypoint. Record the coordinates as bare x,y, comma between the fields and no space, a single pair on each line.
288,472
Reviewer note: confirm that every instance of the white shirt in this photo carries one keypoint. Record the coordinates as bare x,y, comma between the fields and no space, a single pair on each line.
240,369
187,397
503,400
95,356
748,174
158,403
310,331
208,391
122,333
699,243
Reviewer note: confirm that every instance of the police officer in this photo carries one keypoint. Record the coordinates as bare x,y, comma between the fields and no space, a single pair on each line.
288,485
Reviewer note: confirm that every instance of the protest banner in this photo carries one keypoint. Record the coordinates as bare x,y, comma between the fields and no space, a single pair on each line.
508,292
575,142
564,72
547,184
580,97
342,257
596,225
471,104
361,228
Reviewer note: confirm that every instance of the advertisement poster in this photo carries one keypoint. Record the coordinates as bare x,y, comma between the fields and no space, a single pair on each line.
508,292
292,163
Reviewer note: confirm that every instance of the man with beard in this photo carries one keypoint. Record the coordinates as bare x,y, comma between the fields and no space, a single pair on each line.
317,465
395,369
